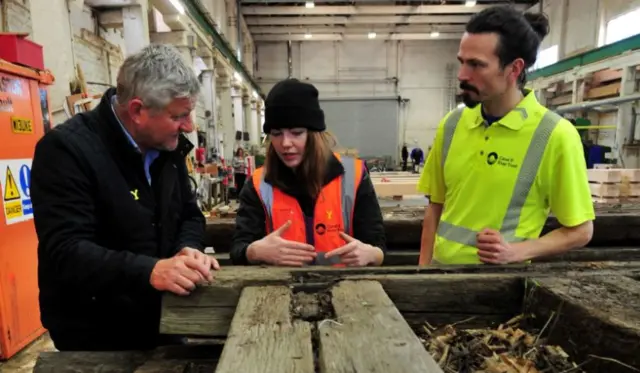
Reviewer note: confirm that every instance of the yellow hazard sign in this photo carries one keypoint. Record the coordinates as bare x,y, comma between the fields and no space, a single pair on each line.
11,191
13,209
21,125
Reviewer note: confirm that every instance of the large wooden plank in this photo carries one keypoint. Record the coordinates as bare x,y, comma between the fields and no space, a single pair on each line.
473,294
89,362
187,358
369,334
587,254
591,316
207,311
264,338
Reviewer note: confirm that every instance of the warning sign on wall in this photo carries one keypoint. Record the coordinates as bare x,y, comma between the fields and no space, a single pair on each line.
15,180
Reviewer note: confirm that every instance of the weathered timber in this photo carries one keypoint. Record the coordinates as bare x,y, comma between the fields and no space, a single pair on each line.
617,225
209,309
90,362
190,358
472,294
264,338
588,254
369,334
593,316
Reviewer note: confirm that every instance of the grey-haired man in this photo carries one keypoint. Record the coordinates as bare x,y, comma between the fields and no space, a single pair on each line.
116,219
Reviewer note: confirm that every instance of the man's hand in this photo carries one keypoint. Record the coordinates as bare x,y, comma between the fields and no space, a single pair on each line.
355,253
493,249
178,275
206,260
274,249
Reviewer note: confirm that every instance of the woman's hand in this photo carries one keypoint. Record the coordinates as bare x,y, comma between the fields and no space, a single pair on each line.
356,253
274,249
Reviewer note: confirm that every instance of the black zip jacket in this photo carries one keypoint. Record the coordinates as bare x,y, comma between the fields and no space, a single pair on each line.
102,228
368,225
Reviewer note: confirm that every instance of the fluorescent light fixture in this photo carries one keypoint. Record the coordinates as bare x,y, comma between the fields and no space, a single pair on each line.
310,4
372,35
470,3
237,76
178,5
435,34
307,36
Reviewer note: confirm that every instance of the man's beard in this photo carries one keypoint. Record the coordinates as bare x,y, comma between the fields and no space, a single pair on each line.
466,97
468,101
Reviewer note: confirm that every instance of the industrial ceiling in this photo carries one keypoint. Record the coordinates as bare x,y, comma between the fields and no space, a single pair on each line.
282,20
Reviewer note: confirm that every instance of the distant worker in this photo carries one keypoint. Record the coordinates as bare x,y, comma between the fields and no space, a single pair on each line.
405,156
114,213
306,205
417,157
500,164
239,169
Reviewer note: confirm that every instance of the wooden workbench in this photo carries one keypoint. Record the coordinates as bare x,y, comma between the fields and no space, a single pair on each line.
367,319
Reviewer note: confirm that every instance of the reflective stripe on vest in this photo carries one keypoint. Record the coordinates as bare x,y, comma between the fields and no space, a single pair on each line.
526,177
349,183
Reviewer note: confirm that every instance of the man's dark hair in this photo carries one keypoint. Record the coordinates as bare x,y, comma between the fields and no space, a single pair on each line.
520,34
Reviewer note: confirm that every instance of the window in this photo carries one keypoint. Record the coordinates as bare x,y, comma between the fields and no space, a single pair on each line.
546,57
622,27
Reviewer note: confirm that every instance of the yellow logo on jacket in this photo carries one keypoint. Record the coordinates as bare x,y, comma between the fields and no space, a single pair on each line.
134,193
329,213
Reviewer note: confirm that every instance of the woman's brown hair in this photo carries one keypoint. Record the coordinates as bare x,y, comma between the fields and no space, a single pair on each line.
312,171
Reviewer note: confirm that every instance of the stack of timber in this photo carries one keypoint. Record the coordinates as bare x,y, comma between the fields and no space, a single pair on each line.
369,319
601,84
395,184
614,185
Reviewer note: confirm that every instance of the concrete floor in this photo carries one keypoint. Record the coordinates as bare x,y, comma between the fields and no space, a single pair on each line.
25,360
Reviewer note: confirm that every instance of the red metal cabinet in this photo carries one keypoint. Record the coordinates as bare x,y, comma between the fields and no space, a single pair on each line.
24,113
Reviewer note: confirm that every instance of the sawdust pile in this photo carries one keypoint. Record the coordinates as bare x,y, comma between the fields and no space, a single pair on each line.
506,349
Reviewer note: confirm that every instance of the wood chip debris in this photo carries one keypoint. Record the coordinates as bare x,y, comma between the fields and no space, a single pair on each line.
509,348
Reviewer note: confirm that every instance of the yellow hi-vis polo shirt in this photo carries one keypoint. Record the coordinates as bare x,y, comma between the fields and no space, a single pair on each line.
506,176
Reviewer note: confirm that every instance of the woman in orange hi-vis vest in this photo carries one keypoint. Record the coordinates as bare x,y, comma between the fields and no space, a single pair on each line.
306,205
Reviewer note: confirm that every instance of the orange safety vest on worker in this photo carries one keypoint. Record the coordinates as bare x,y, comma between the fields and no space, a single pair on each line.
333,212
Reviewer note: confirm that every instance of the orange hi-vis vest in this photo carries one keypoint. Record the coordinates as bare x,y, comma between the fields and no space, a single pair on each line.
333,212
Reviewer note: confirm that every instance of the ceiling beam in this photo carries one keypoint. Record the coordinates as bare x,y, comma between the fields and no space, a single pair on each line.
354,29
328,20
257,10
110,3
338,37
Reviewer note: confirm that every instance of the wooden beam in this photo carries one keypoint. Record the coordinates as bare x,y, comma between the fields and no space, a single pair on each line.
369,334
264,338
561,100
596,315
202,314
608,90
197,357
409,257
614,226
604,76
396,188
90,362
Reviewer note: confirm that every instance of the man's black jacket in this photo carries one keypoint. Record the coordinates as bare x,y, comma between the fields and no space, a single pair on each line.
368,225
102,228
